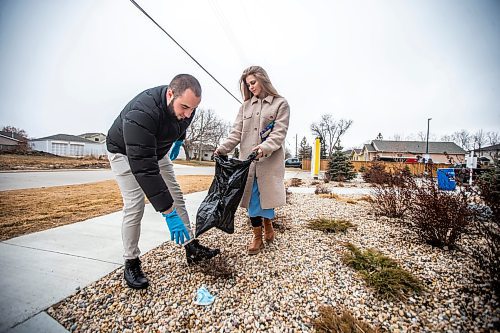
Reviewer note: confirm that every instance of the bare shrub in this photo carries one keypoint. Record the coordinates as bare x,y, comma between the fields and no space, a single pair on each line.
440,218
321,189
219,267
486,250
394,198
296,182
391,201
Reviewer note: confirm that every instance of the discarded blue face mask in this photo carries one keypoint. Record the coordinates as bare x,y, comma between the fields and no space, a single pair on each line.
203,297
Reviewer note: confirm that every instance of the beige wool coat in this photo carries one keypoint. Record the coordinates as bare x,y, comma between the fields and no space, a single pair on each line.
254,115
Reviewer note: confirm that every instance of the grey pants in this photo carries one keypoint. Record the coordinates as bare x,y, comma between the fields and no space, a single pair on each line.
133,200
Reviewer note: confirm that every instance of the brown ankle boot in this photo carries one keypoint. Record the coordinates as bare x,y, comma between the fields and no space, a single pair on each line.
268,230
257,245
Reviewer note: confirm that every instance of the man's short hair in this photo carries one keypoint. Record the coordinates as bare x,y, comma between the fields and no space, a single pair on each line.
182,82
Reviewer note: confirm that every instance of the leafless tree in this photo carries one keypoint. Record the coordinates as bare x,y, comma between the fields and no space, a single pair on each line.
422,136
18,134
18,131
447,138
206,129
462,138
397,137
331,131
479,139
493,137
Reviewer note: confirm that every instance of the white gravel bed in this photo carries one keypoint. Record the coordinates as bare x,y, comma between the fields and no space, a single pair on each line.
280,289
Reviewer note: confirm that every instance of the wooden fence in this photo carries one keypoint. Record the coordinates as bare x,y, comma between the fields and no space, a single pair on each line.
415,168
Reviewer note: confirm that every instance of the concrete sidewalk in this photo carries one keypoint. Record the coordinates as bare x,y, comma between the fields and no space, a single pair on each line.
40,269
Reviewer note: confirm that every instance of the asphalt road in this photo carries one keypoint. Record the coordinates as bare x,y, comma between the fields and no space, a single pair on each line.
37,179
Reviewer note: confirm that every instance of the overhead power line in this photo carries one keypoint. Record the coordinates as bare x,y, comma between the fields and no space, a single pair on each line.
183,49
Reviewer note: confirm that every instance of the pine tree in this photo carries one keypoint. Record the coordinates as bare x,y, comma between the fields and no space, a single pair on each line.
340,167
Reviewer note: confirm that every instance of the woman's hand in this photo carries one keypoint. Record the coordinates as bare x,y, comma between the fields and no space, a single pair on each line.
259,152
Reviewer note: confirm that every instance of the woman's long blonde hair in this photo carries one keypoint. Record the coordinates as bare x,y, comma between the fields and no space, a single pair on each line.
262,77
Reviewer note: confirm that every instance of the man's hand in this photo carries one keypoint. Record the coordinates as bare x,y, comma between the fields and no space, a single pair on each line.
178,231
174,152
259,152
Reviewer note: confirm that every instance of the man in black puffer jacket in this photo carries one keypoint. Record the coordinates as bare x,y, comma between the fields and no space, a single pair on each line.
138,143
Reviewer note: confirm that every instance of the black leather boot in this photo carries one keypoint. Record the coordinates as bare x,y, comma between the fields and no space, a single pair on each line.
195,252
133,274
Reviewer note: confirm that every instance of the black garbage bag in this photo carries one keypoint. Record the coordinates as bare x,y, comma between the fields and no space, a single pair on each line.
224,196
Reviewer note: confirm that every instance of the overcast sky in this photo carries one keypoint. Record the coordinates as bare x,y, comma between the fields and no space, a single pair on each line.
71,66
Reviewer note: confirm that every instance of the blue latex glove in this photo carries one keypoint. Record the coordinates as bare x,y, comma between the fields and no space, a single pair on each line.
174,152
177,228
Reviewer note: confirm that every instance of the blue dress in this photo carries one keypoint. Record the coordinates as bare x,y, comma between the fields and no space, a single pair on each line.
254,208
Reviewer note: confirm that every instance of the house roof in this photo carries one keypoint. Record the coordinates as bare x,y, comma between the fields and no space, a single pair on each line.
12,136
369,147
64,137
493,147
356,151
92,134
417,147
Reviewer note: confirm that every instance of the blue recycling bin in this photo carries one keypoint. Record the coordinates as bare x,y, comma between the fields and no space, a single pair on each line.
446,179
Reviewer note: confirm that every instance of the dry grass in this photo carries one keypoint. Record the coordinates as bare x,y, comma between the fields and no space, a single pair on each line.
366,198
49,162
330,196
330,225
195,163
30,210
331,321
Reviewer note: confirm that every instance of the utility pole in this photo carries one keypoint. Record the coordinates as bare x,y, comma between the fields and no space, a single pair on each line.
427,139
201,138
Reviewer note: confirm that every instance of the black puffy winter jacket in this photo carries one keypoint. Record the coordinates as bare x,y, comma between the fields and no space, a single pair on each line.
144,131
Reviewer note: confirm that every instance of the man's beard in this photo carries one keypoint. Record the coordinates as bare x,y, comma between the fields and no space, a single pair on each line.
170,108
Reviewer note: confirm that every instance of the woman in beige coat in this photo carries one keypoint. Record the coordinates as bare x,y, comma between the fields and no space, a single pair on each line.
261,126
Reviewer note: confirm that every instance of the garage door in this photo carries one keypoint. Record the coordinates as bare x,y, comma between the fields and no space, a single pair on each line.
75,150
60,148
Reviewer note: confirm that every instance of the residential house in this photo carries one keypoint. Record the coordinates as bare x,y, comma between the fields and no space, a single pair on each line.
10,141
207,152
68,145
95,137
413,151
488,154
356,154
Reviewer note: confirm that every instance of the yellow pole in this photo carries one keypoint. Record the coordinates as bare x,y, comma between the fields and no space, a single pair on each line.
317,158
